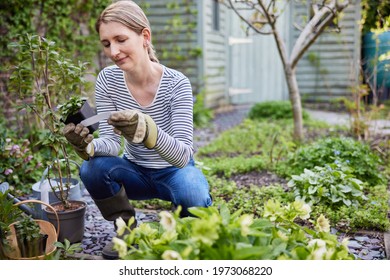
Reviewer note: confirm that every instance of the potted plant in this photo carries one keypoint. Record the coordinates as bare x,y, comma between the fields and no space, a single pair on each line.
43,78
77,109
21,236
31,242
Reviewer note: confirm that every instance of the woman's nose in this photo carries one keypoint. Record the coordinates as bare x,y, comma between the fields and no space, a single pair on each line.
114,50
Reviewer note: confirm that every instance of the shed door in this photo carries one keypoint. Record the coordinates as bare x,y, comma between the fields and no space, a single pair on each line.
240,74
255,72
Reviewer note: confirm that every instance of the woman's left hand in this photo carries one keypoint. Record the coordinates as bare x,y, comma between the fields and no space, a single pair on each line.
135,126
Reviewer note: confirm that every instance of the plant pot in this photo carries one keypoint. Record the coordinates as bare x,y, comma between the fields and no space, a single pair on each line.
74,194
71,221
39,188
83,113
31,248
49,234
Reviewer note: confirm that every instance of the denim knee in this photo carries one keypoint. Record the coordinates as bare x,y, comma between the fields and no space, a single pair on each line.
190,189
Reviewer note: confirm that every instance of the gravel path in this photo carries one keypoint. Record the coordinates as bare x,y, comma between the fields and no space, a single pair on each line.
98,231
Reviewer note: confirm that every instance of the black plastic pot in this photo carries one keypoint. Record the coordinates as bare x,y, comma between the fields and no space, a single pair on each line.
32,248
85,112
71,221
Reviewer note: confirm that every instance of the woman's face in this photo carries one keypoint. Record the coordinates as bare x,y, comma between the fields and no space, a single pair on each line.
122,45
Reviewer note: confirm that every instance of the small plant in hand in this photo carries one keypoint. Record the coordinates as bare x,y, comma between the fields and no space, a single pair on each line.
71,106
44,78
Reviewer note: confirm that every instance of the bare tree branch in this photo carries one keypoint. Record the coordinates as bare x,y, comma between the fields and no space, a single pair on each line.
250,23
314,28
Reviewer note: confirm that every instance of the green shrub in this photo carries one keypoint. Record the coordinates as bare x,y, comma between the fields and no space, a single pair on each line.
357,155
274,110
19,166
201,115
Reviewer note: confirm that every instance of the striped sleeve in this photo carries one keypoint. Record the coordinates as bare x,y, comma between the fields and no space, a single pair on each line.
176,147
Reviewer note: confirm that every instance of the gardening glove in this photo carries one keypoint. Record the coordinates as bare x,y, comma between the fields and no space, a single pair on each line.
135,126
80,138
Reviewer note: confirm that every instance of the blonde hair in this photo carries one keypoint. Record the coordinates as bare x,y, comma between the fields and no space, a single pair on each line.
130,15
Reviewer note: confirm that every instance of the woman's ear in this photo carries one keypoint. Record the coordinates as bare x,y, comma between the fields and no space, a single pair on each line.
147,36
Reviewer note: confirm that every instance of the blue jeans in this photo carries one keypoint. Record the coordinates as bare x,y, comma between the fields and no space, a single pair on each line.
187,186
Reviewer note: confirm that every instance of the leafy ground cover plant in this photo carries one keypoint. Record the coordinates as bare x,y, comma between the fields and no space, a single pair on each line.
372,215
364,162
332,185
65,250
249,199
216,233
250,146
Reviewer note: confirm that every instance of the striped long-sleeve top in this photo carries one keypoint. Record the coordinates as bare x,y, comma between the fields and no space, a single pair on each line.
171,110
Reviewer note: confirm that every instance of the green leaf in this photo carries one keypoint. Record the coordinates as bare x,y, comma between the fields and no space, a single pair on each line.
345,189
312,190
225,214
255,252
347,202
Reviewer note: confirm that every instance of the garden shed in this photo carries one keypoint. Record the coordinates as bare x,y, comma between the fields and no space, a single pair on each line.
207,42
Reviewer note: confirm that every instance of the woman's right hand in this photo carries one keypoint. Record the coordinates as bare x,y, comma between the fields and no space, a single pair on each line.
79,136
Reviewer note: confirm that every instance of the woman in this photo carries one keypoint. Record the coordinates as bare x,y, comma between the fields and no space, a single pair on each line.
151,108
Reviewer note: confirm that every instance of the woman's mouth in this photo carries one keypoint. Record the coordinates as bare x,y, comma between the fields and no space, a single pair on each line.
120,60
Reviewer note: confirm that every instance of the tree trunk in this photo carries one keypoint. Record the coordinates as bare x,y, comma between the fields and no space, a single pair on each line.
295,100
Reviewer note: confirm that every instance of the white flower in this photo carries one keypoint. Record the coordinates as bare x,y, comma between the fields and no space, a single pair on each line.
171,255
120,246
121,226
167,221
318,247
305,211
322,224
282,235
245,223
